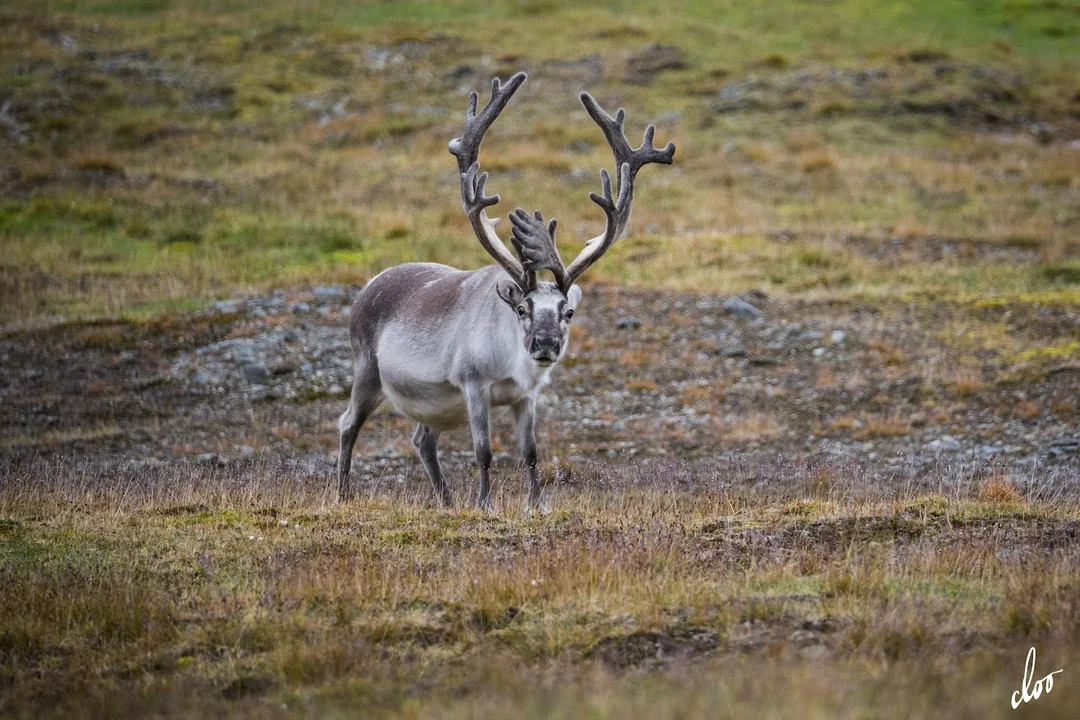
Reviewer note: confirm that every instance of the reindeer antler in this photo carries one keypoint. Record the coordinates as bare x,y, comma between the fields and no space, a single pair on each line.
473,200
534,242
628,161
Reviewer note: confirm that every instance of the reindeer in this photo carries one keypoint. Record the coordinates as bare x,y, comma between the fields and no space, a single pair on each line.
445,345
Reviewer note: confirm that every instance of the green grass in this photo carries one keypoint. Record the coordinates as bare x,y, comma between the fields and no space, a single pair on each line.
196,151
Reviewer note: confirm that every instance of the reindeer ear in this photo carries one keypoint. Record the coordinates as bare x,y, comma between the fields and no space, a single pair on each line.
510,292
573,297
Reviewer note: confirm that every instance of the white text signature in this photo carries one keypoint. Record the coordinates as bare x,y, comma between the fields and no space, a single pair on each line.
1029,691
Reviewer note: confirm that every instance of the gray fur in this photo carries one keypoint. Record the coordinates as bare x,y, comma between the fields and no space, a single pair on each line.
443,346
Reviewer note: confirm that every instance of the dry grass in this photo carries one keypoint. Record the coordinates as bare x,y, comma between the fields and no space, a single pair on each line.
748,428
1027,410
966,383
247,591
888,353
874,426
999,490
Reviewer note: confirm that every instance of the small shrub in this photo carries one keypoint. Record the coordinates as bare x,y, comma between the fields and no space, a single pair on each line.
966,384
1066,273
1027,410
999,490
875,426
816,162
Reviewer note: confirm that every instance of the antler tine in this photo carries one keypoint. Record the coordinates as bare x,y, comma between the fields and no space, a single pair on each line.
628,161
612,127
466,149
535,244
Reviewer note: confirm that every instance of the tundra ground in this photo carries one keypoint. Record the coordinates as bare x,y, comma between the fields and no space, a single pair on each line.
737,520
859,497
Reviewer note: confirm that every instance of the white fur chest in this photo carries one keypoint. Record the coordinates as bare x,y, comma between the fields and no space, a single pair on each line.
527,381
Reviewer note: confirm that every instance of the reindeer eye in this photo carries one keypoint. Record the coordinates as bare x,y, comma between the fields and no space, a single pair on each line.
569,314
521,311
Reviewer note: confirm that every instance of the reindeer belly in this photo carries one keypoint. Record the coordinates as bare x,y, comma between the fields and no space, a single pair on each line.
437,405
413,378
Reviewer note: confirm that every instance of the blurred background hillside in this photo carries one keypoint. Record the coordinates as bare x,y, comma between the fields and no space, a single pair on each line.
155,155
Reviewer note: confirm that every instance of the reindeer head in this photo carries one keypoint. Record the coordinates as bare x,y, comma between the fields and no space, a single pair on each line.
544,309
544,315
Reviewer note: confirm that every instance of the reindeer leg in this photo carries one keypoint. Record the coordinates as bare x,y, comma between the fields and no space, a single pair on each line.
366,396
478,399
426,440
525,420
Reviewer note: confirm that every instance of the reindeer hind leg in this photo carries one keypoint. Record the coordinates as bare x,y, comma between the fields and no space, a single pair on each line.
366,396
426,441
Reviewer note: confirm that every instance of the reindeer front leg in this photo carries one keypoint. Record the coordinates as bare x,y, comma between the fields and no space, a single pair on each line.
525,420
478,399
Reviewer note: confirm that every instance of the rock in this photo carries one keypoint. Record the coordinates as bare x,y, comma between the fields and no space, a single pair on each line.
1043,132
765,361
202,377
837,336
803,637
299,307
818,352
819,623
1064,447
585,70
329,292
732,352
459,73
946,443
580,146
644,65
256,373
814,652
283,367
741,308
261,392
226,307
628,323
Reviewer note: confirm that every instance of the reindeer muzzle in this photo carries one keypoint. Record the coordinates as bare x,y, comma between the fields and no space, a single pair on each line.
545,352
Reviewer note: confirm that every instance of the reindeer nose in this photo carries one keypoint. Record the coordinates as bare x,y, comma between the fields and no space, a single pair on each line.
545,346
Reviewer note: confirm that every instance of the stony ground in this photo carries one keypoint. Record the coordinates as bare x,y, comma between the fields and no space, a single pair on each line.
721,383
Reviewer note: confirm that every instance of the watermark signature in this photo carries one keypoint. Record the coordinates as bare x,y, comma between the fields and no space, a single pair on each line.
1029,691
